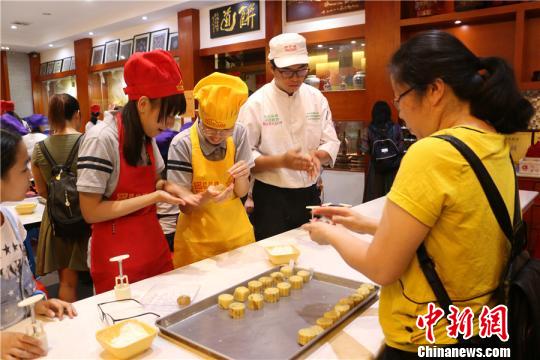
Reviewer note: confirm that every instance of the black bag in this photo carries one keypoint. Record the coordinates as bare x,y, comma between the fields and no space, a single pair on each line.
519,288
384,152
63,198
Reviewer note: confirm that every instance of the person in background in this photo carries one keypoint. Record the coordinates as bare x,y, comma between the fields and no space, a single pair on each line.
38,124
167,213
211,161
440,87
291,133
65,255
94,115
17,282
119,171
9,120
381,175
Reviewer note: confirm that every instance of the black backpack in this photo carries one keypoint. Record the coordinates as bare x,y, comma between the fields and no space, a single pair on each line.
384,152
519,287
63,198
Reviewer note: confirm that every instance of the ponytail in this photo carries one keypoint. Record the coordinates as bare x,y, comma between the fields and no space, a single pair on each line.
499,100
62,108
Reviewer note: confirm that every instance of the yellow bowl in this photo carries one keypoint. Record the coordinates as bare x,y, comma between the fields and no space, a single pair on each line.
25,208
282,254
125,349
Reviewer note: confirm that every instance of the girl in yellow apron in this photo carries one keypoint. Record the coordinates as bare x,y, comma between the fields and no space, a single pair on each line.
212,161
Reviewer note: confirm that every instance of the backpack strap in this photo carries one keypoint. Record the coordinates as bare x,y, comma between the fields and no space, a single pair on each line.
74,151
71,156
47,154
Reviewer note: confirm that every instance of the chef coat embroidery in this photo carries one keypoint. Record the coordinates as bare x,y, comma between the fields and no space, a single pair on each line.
271,120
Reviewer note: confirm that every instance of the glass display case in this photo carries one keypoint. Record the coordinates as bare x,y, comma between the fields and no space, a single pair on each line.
106,88
249,65
337,66
51,87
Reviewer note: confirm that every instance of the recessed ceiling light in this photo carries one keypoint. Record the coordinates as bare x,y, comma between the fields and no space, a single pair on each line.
320,46
90,33
51,45
14,27
457,22
353,42
145,18
46,13
5,47
330,48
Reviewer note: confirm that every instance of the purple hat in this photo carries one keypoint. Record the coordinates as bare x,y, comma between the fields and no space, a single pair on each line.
163,141
11,123
36,120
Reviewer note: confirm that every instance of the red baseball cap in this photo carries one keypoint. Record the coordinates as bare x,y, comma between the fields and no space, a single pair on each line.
95,108
154,74
7,105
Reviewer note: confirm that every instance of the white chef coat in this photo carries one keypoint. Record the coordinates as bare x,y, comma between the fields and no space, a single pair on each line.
277,122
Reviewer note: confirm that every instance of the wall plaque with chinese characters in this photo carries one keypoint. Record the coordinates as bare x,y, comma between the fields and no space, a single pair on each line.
234,19
307,9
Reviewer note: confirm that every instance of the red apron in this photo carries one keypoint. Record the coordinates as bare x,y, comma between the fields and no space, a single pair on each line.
137,234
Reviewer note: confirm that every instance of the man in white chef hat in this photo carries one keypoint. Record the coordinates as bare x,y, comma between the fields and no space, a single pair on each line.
291,133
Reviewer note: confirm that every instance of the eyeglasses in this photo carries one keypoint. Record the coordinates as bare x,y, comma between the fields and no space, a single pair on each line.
397,99
110,320
216,132
288,74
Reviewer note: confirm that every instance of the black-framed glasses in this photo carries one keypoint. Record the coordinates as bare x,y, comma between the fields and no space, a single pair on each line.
109,319
288,73
398,98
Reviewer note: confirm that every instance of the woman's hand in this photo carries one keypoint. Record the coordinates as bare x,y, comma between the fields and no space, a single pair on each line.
178,192
239,170
348,218
20,346
164,196
55,308
219,196
321,232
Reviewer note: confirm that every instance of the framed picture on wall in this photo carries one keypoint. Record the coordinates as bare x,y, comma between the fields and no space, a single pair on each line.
66,64
50,67
57,66
43,69
111,50
141,42
97,55
158,40
173,41
72,64
126,48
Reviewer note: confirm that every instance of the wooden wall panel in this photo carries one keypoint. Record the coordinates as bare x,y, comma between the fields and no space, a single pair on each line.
4,77
273,16
330,35
531,51
35,60
382,40
83,53
348,105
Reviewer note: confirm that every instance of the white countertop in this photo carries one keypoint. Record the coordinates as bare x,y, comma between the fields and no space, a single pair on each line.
359,338
33,218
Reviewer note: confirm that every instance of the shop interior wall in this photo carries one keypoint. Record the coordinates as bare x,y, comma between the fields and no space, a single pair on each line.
20,85
57,53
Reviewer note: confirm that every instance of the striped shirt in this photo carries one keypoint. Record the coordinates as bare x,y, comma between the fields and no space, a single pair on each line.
98,166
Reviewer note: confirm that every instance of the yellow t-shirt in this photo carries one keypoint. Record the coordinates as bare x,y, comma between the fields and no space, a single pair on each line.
436,185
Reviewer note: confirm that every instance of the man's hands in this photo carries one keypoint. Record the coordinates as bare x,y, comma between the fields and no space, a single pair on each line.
295,160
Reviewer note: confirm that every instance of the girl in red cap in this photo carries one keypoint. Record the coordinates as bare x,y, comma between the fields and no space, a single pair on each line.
118,173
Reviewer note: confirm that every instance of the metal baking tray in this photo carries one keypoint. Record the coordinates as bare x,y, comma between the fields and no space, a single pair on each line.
269,333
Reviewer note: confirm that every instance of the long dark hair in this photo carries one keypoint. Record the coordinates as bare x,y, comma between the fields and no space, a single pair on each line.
133,130
94,118
62,107
487,83
381,115
8,144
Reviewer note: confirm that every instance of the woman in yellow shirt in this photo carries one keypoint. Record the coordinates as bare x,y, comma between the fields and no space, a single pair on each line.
440,87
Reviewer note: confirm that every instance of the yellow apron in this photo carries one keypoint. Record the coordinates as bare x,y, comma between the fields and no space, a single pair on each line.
213,228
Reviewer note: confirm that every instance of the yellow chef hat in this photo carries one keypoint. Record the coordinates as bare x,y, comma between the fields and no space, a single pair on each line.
220,97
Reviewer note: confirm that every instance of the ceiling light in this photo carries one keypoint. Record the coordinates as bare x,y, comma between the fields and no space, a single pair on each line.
46,13
362,44
353,42
330,48
145,18
90,33
457,22
5,47
51,45
320,46
14,27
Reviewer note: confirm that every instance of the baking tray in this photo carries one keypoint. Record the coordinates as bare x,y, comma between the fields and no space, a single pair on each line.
269,333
